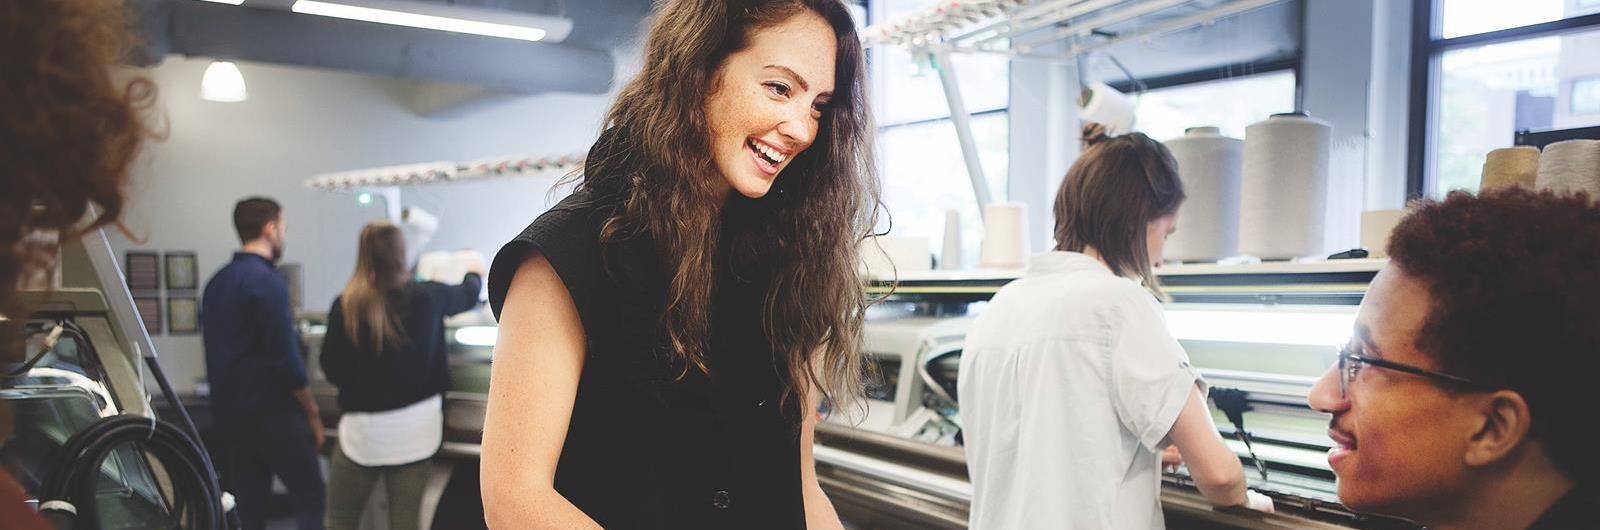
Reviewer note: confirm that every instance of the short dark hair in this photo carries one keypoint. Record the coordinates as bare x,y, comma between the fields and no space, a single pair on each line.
1111,194
1515,280
251,215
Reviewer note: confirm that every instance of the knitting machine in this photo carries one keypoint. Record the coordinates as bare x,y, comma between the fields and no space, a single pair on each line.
1261,334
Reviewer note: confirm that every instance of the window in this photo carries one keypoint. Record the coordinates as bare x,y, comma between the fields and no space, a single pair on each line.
911,91
919,157
1231,104
1493,68
1458,18
924,175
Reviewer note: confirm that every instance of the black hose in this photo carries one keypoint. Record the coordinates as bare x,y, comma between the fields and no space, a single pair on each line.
197,493
232,519
197,499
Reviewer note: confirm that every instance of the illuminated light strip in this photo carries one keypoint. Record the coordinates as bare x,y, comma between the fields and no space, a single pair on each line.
1332,288
476,335
935,290
417,20
1307,288
1280,326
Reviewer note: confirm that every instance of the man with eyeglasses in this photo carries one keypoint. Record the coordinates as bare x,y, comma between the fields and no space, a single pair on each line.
1466,398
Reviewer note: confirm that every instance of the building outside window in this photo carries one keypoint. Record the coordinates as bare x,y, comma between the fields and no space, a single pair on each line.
1496,67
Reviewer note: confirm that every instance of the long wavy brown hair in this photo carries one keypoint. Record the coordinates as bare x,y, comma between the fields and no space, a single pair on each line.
815,216
68,133
380,267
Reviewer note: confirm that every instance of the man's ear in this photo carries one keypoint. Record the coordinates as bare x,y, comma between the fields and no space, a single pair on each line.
1505,422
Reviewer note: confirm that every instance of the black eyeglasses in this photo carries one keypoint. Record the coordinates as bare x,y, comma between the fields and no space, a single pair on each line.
1350,364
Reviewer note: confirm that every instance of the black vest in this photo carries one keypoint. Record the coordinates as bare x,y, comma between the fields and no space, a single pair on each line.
646,448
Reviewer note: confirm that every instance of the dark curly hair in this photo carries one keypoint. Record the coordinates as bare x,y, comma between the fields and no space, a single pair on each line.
68,132
1515,279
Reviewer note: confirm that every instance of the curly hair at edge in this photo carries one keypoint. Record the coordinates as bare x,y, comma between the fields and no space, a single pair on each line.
827,198
68,134
1514,280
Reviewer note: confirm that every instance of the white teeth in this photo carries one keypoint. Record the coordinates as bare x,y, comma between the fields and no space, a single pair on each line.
771,153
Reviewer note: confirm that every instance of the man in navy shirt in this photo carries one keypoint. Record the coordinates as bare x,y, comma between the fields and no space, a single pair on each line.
262,407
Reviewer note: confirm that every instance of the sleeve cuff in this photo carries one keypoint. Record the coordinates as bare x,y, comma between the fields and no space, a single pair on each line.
1173,398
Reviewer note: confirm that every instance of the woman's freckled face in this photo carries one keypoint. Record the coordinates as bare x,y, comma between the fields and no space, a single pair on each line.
767,104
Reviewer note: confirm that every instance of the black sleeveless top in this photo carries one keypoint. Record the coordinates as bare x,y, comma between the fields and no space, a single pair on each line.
645,449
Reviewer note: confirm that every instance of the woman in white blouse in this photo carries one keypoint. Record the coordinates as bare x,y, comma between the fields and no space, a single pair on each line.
1071,387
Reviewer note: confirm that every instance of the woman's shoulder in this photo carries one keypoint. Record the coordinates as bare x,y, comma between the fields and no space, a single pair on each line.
582,211
570,229
568,236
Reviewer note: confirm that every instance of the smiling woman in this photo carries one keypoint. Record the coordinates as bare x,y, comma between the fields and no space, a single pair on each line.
668,331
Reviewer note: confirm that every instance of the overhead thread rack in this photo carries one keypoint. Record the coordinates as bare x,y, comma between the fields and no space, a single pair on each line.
441,172
1022,27
1057,30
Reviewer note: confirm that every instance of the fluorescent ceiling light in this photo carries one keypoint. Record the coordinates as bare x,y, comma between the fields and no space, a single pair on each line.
1280,326
223,83
229,2
442,17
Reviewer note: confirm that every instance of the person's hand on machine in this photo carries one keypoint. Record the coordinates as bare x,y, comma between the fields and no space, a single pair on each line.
1171,459
1258,501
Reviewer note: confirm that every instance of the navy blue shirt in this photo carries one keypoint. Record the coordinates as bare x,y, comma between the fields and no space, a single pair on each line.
253,359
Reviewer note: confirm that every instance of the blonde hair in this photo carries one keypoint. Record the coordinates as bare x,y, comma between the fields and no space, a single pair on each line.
380,267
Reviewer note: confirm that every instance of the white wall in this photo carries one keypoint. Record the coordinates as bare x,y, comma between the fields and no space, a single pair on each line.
1043,140
300,122
1356,75
1389,105
1335,75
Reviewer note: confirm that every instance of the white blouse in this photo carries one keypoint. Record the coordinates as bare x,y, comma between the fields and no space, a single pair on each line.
401,436
1069,384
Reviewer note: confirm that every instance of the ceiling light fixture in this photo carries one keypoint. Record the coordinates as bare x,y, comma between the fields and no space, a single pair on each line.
229,2
223,83
442,17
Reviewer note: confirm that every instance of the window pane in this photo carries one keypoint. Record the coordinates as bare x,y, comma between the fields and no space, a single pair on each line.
1231,104
1469,17
1488,93
909,92
923,175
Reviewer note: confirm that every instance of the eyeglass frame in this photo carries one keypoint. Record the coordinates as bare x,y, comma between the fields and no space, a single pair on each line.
1345,375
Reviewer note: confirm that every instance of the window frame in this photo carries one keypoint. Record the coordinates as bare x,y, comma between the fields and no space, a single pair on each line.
1290,62
881,126
1427,47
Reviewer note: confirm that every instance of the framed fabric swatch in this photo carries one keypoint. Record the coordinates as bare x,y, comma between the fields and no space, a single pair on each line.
149,308
143,270
183,315
182,271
